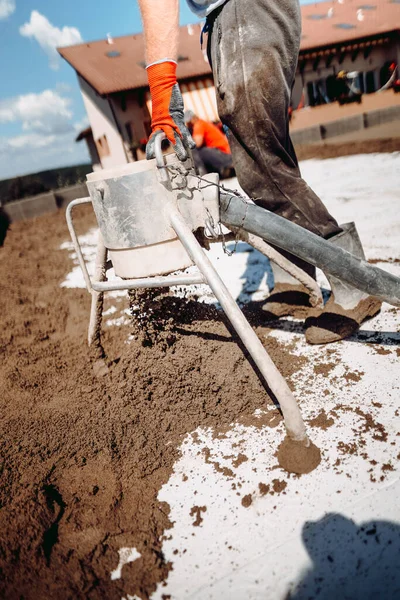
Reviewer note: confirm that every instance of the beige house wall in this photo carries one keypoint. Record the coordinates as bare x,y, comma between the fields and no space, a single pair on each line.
131,113
102,122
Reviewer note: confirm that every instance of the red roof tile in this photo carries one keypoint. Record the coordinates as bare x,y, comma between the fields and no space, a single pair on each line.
350,20
125,70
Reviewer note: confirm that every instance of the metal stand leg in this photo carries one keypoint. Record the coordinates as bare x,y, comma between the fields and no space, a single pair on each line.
96,309
293,420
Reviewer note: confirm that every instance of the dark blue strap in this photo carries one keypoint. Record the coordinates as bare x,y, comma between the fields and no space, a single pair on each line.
203,31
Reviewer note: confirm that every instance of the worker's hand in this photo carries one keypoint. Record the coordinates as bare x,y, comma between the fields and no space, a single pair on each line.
167,109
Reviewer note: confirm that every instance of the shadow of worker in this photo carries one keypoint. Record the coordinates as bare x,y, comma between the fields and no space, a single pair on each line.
350,561
5,222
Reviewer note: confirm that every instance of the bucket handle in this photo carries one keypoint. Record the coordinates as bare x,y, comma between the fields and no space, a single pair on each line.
160,160
161,166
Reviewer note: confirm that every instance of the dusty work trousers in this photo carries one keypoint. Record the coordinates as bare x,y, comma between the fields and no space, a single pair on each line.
253,48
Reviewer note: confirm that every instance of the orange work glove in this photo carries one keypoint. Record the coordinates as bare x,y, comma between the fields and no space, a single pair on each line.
167,109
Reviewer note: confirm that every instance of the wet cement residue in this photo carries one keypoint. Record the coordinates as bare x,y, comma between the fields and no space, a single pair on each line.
353,375
196,512
226,471
387,467
264,488
278,486
324,368
241,458
295,457
321,420
381,350
247,500
370,425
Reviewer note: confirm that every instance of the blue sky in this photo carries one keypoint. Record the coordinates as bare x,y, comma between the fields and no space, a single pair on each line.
40,104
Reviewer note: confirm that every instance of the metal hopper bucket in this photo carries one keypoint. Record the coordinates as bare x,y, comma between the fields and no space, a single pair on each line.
129,204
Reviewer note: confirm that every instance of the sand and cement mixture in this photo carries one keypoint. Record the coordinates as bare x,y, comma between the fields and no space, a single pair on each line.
84,457
158,476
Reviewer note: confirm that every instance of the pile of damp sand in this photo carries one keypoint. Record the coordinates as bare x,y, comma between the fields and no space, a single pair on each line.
83,456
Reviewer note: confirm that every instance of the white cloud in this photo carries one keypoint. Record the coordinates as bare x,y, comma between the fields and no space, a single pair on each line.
31,141
7,7
50,37
44,113
32,152
47,133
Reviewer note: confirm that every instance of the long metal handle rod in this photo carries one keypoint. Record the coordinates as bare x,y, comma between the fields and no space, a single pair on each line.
148,282
311,248
276,383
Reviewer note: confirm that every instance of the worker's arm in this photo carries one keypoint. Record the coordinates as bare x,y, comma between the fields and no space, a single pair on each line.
161,31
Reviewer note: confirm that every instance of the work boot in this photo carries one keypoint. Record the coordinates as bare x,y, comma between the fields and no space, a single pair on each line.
347,307
289,298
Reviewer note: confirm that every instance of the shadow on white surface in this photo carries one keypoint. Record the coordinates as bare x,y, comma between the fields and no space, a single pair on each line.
350,560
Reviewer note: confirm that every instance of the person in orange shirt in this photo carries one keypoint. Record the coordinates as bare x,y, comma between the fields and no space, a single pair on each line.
212,153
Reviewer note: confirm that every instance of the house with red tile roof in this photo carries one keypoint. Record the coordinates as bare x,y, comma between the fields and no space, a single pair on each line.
361,37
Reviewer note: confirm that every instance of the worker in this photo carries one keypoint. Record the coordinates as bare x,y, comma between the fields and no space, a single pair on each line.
212,153
253,49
